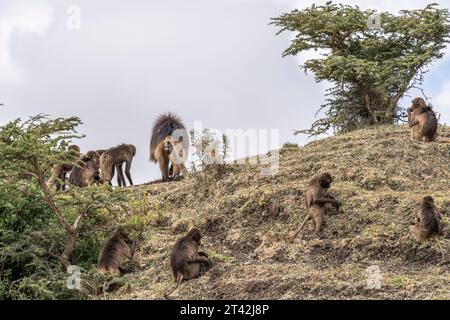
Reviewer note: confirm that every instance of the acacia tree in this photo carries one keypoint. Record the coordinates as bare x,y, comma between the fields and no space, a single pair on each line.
28,151
372,59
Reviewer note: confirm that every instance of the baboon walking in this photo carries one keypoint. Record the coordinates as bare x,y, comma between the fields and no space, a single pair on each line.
118,247
319,203
115,158
428,224
160,148
422,121
59,171
186,260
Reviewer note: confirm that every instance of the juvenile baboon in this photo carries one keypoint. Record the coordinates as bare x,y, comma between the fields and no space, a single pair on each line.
87,171
319,203
118,247
114,158
428,224
167,125
422,121
186,260
59,171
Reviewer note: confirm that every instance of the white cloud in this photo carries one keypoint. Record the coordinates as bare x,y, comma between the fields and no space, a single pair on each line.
32,17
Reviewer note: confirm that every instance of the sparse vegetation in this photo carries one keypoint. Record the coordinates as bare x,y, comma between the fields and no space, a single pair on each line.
246,216
380,177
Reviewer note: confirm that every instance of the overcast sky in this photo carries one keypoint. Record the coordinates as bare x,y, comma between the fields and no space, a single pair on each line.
218,62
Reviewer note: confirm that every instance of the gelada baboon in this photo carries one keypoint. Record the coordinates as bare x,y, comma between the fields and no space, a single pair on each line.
59,171
114,251
167,125
186,260
422,121
174,148
87,171
319,203
428,224
120,175
114,158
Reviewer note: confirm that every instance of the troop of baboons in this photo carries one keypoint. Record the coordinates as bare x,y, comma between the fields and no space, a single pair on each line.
169,147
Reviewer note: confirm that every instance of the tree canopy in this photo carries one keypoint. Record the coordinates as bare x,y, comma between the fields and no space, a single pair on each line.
371,58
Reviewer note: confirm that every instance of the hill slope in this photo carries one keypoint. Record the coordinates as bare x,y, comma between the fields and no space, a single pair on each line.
380,177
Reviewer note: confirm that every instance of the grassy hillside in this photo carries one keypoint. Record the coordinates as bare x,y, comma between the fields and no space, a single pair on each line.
380,177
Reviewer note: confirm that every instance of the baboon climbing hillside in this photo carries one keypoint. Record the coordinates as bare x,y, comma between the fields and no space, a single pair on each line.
428,223
167,125
422,121
114,158
319,203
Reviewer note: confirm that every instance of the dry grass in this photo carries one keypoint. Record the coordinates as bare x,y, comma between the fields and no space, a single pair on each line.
380,177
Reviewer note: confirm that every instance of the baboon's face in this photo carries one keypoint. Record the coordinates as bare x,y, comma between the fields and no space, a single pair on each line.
93,155
168,146
93,168
196,235
325,181
418,103
429,201
121,234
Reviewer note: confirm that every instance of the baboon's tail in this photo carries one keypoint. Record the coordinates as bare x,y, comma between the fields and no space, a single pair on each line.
179,280
164,126
292,239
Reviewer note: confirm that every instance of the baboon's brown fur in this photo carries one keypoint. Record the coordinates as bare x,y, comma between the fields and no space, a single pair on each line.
319,203
176,153
428,224
118,247
185,259
59,171
87,171
422,121
160,149
114,158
